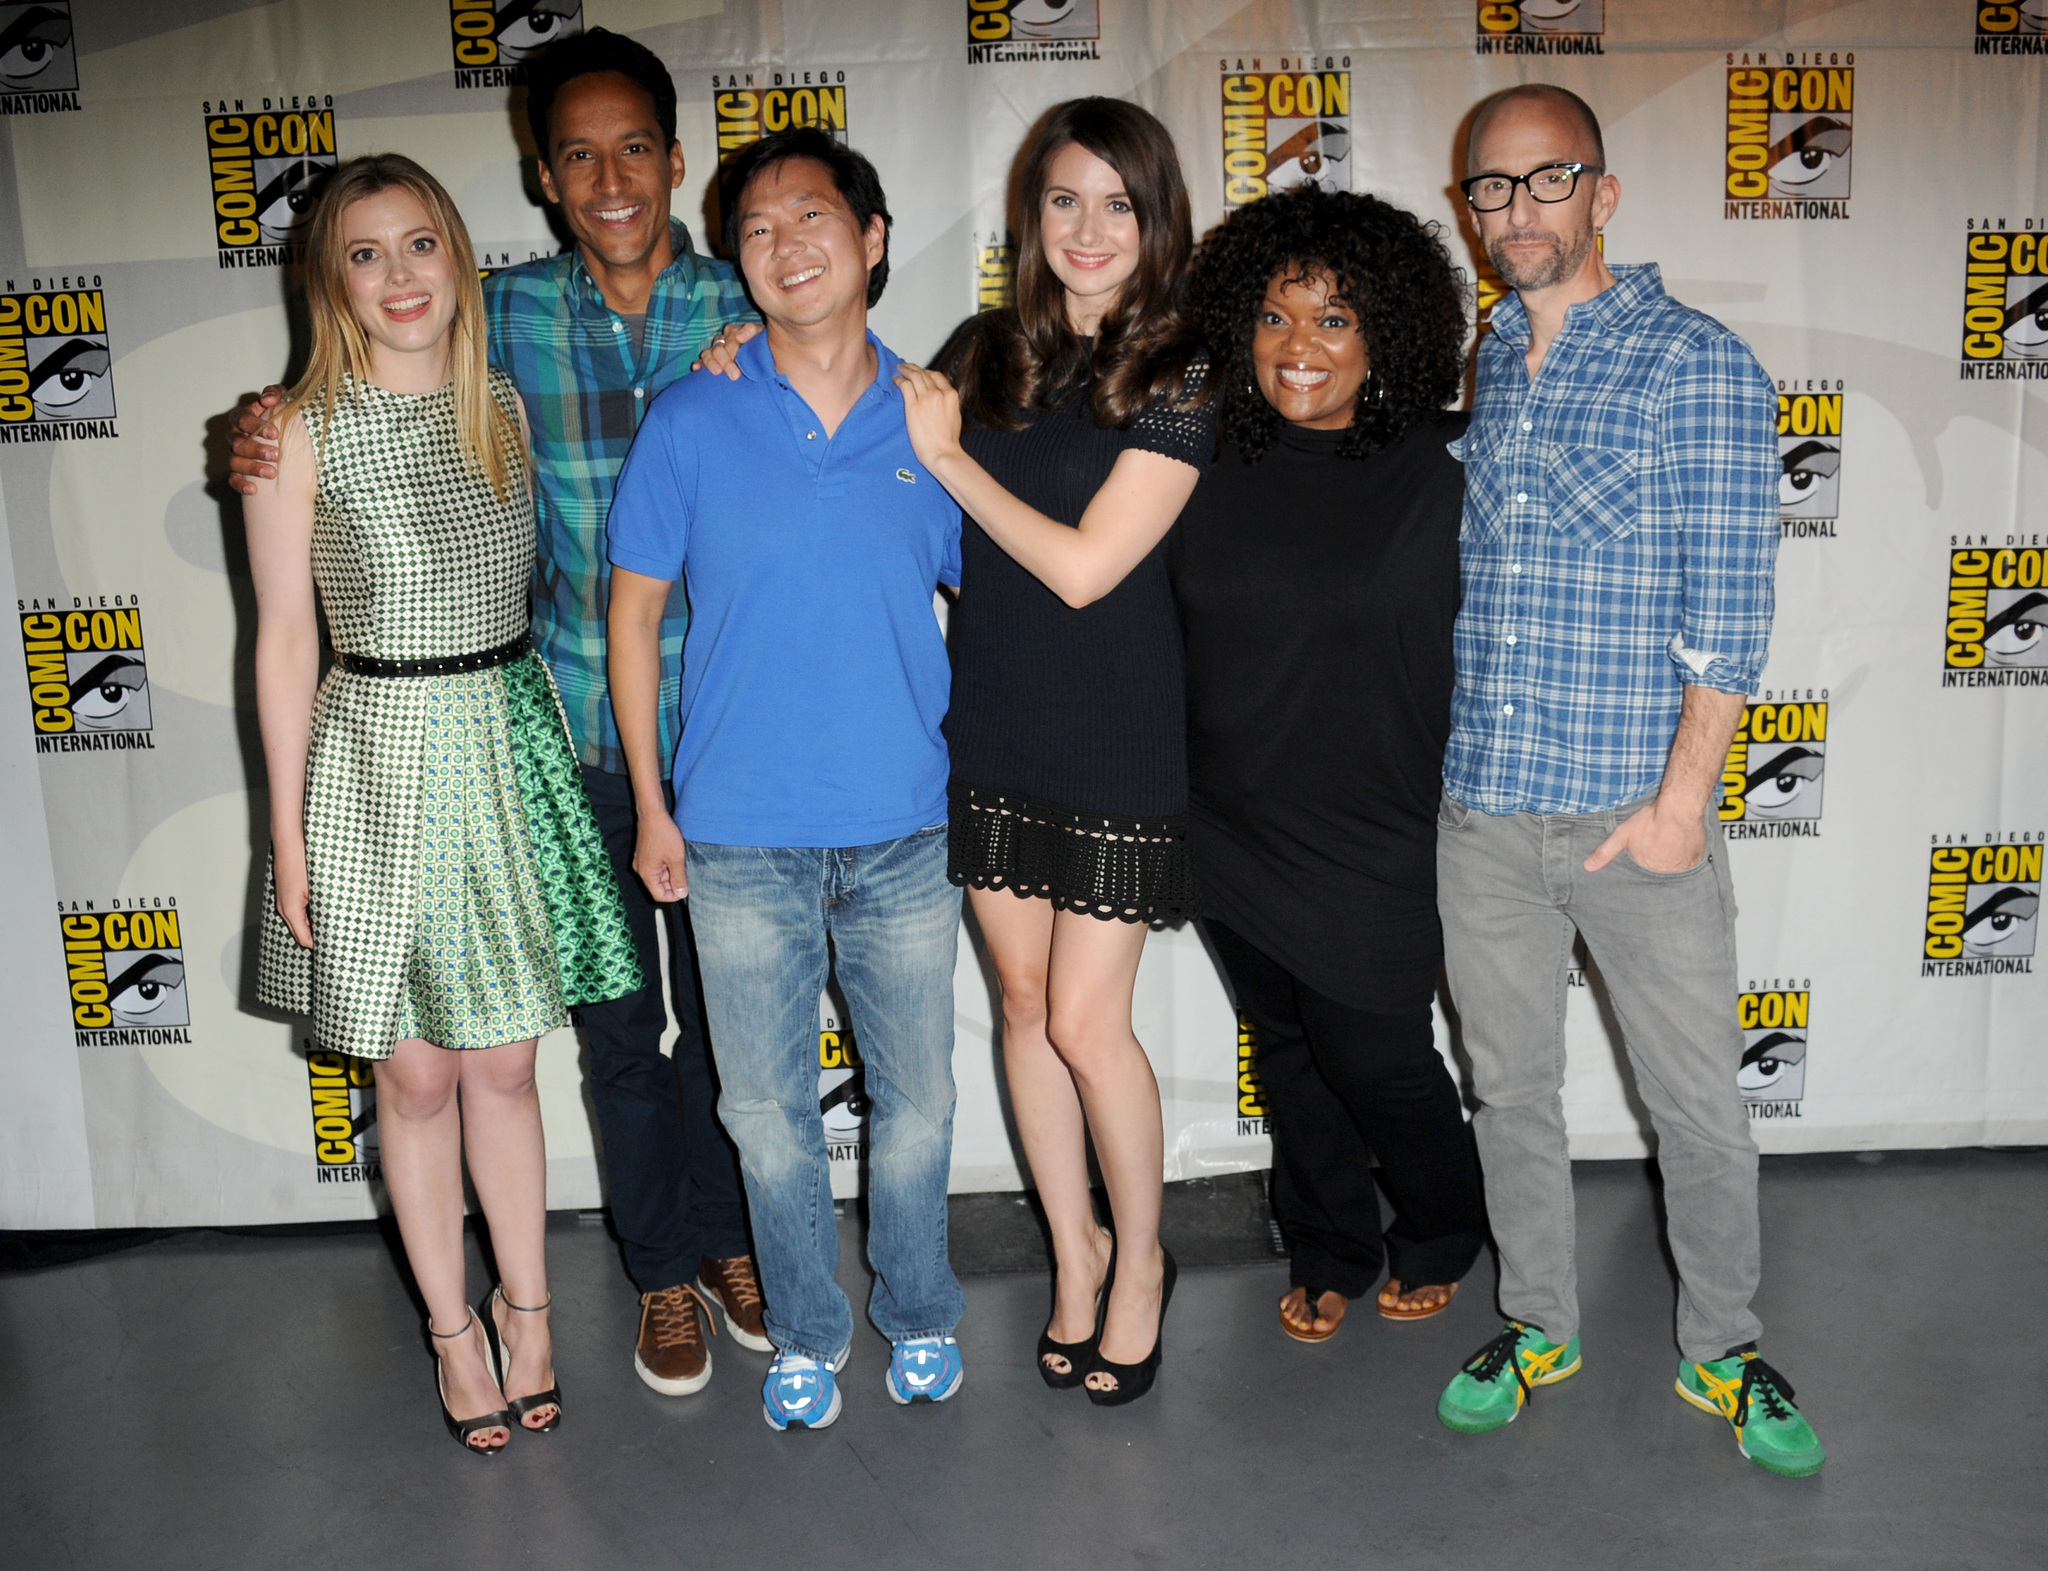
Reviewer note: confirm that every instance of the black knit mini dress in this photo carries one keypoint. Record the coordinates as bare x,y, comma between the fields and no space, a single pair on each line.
1068,729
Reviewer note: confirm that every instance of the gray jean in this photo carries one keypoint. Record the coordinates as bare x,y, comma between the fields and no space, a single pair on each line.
1513,889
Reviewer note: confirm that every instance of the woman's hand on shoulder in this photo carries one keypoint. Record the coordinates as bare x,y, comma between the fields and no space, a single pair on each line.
721,356
931,413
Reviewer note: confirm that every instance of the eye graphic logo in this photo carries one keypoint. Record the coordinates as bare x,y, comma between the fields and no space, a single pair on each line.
1542,27
1983,908
126,971
995,272
1790,128
1772,1076
842,1087
344,1092
751,104
2012,29
56,369
38,59
1809,461
2005,305
1771,784
267,169
1251,1096
88,678
1997,629
492,38
1000,32
1286,127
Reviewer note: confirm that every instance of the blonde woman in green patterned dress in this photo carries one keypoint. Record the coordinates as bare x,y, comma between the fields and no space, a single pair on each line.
440,893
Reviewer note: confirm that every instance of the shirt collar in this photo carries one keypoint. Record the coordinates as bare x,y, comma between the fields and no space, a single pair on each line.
680,271
1636,285
758,364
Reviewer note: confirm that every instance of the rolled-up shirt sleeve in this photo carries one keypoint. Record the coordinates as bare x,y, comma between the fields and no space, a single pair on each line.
1721,454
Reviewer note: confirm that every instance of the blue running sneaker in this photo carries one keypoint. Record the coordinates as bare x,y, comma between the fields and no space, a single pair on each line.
925,1369
799,1393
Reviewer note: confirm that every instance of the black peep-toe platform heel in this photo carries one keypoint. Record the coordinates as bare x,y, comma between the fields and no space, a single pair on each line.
1080,1356
1134,1380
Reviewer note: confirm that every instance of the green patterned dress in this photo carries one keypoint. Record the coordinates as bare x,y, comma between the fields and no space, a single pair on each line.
461,891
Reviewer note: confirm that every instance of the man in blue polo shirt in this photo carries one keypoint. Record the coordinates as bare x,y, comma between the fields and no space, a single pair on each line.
810,779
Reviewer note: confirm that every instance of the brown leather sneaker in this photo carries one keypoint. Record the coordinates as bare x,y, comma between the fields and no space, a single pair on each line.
736,1287
673,1355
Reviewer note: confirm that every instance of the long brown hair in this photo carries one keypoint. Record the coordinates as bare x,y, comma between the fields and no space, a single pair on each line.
489,438
1028,356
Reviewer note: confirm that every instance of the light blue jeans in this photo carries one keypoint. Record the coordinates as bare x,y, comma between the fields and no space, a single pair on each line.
763,917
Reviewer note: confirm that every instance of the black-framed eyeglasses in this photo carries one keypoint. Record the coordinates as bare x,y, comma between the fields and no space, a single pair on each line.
1551,183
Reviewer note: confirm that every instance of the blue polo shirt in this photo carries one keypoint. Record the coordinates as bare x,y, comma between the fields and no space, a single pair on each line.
814,672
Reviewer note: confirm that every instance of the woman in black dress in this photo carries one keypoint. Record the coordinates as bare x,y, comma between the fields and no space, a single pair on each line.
1317,573
1069,791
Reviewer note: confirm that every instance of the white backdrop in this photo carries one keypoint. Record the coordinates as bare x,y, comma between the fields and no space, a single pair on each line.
1858,188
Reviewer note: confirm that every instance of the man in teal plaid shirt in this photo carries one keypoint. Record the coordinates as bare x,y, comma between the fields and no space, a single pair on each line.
591,338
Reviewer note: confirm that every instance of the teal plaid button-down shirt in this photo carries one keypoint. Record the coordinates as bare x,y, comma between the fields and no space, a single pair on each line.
571,357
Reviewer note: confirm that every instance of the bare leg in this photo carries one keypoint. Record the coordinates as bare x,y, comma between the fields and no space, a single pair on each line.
1089,983
420,1135
508,1163
1047,1107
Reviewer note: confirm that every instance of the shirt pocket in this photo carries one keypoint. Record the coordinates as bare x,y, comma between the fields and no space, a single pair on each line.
1592,493
1481,451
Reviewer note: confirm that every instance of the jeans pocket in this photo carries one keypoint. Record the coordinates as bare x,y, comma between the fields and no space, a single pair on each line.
1699,867
1451,814
1592,493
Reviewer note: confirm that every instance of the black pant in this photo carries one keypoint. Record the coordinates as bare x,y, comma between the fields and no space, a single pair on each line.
1343,1085
673,1176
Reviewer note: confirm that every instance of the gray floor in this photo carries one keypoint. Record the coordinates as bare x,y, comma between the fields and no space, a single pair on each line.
230,1402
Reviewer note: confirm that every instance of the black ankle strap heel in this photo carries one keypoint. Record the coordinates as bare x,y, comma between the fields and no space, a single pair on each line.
464,1428
501,1365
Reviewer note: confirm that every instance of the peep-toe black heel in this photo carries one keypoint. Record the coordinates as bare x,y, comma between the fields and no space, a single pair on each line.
463,1429
501,1365
1134,1380
1079,1355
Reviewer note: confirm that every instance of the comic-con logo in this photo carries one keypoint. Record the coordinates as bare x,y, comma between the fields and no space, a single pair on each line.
344,1093
1809,458
2012,29
995,271
2005,301
267,166
125,966
1789,130
1983,905
492,38
1251,1096
88,674
751,104
1542,27
1002,31
1772,1077
1771,784
38,59
1285,127
1996,634
56,367
842,1086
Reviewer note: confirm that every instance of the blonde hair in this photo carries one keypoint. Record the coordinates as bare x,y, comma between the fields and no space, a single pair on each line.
490,440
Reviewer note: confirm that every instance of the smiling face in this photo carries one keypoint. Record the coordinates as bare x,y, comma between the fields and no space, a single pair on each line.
805,257
1089,230
401,283
1307,352
609,168
1539,245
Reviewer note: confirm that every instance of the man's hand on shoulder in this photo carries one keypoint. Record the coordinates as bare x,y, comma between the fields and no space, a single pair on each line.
722,355
1658,840
255,439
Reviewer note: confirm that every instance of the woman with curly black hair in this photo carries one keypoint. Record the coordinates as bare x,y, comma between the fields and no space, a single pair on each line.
1317,573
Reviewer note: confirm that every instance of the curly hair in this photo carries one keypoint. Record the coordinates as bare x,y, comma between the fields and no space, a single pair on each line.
1390,267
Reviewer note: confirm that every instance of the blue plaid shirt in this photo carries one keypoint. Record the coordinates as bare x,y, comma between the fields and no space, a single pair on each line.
1619,541
585,392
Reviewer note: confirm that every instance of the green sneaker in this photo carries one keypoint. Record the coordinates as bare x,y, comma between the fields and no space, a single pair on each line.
1481,1396
1757,1402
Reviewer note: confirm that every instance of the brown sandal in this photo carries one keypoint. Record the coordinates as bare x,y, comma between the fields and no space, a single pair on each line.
1394,1287
1314,1302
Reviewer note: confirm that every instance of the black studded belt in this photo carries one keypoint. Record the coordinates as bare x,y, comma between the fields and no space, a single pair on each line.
441,665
